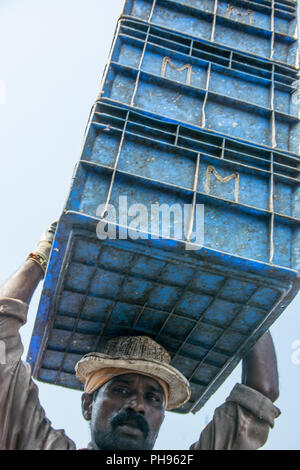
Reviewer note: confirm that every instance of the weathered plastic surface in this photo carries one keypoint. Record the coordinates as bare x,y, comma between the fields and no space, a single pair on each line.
263,28
254,214
207,307
205,84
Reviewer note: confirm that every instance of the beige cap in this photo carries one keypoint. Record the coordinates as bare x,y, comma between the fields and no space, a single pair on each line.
140,354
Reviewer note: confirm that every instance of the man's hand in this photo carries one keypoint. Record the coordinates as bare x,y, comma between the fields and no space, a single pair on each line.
260,368
23,283
44,246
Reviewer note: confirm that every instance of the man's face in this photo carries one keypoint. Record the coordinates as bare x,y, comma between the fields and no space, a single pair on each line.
126,414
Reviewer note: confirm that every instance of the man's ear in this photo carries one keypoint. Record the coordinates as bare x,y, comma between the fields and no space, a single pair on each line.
87,406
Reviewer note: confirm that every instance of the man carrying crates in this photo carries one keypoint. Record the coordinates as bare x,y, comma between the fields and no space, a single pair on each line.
127,388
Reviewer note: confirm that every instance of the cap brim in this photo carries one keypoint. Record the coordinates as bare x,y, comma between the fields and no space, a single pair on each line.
179,388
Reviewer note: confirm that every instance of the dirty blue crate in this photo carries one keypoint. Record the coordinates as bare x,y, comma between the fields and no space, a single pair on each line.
205,84
206,306
267,29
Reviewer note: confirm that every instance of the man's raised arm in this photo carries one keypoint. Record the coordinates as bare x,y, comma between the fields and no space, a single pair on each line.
23,424
244,420
23,283
16,294
260,368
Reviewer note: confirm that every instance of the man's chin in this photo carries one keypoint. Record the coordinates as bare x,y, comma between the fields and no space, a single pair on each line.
127,438
119,440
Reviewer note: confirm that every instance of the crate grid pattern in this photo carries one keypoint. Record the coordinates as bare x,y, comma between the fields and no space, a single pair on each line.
217,54
160,332
126,81
204,20
277,166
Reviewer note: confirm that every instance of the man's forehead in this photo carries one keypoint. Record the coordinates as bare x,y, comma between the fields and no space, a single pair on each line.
131,379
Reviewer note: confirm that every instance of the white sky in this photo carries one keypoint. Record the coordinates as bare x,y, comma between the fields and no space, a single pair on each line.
52,57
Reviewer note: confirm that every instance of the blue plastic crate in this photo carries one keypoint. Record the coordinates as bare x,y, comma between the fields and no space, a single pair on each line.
206,306
205,84
267,29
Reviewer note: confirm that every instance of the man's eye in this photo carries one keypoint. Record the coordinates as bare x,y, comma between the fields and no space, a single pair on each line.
121,390
154,398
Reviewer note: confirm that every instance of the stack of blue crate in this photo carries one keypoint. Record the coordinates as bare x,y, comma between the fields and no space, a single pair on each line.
199,111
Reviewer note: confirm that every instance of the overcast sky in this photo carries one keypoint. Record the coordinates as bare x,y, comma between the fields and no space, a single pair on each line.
52,57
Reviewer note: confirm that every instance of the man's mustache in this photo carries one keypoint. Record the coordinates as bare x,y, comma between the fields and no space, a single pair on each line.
130,416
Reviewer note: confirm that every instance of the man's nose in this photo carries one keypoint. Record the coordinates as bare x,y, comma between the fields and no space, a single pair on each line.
137,404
